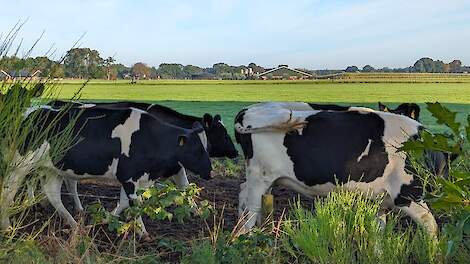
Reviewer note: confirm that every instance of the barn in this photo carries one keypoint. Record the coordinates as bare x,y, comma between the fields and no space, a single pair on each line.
283,72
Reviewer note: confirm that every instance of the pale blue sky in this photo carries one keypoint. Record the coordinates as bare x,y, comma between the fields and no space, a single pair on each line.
309,34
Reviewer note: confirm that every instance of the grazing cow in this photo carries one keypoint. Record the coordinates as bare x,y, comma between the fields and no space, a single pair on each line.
436,162
214,136
311,151
129,145
219,142
410,110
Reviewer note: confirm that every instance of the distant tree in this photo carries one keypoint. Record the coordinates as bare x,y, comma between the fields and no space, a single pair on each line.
368,68
111,73
455,66
256,68
154,73
83,63
428,65
189,70
222,69
170,70
352,69
140,70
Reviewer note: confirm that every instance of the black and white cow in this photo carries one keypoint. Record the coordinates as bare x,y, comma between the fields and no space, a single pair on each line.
129,145
410,110
436,162
310,151
214,136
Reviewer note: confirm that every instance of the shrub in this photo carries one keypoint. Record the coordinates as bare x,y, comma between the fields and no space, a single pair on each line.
449,197
344,229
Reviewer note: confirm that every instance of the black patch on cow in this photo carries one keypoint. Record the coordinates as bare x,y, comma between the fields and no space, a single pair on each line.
329,107
330,144
410,110
412,192
244,139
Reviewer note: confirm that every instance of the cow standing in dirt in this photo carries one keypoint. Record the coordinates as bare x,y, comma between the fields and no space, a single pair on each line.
311,151
214,137
128,145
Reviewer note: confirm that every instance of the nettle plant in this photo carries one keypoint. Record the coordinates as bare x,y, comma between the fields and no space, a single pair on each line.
163,202
448,196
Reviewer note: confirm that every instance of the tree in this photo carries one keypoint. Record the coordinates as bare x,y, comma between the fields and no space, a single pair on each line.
256,68
170,70
455,66
189,70
352,69
83,63
368,68
110,71
140,70
222,69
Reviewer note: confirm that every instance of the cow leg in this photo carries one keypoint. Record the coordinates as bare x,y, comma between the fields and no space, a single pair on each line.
52,186
11,185
420,213
250,202
130,189
123,203
72,188
180,179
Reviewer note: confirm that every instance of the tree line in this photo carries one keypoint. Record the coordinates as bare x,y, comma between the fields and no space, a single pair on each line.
87,63
423,65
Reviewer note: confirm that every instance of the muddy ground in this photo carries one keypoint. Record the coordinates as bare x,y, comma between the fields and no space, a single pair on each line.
222,192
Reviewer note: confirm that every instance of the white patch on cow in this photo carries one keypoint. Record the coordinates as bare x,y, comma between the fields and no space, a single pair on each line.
124,131
365,152
31,109
87,105
144,181
203,138
361,110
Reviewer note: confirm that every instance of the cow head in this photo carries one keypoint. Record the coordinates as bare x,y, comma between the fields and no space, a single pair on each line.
192,154
220,143
410,110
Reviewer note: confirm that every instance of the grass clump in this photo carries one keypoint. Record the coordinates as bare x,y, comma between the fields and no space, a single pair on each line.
345,229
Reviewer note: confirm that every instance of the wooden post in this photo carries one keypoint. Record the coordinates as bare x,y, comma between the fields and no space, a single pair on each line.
267,208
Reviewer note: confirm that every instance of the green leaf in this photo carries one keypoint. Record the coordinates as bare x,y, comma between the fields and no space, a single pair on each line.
444,116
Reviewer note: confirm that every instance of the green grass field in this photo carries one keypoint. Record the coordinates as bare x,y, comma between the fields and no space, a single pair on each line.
228,97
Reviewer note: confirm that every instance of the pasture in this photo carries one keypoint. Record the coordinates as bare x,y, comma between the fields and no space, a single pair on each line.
228,97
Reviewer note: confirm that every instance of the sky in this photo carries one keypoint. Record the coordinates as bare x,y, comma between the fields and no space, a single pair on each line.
303,34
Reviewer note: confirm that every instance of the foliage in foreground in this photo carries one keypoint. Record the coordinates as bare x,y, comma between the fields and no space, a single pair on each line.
162,202
344,229
449,197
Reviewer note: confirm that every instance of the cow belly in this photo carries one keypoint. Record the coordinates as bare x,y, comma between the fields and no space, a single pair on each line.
110,173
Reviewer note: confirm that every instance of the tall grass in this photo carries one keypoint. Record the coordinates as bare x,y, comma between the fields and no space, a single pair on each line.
19,134
344,229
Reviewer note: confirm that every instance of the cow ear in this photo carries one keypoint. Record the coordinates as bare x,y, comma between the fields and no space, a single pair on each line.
207,120
383,107
182,140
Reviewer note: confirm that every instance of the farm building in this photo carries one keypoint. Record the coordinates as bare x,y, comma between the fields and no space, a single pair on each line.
20,74
283,72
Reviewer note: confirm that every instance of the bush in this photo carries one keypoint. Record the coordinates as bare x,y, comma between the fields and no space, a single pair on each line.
344,229
449,197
